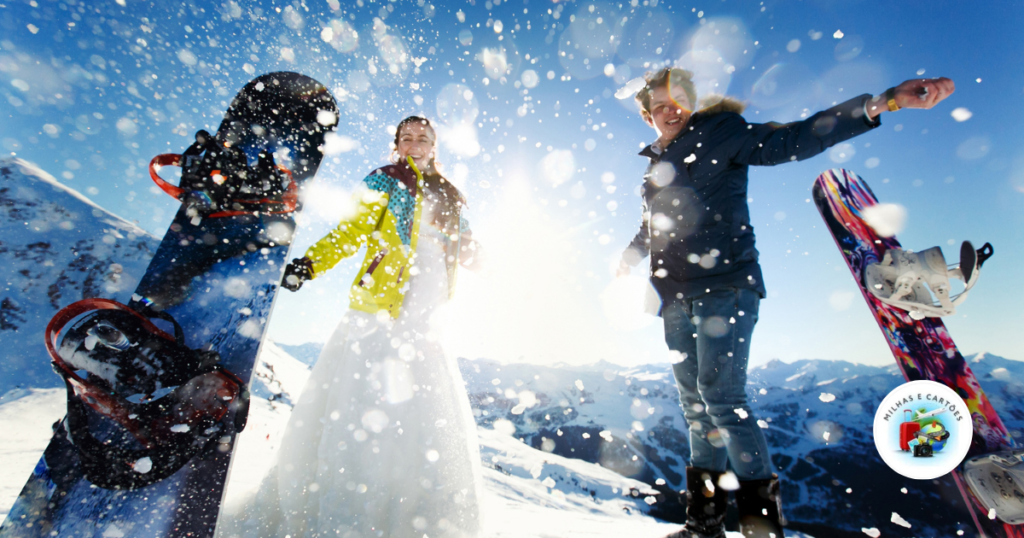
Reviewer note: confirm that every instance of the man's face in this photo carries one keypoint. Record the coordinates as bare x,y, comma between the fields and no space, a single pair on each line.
670,109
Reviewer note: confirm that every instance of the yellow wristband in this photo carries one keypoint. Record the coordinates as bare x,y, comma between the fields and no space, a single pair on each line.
890,99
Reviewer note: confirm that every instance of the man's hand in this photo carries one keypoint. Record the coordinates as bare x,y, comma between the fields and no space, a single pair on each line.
914,93
623,269
923,92
297,272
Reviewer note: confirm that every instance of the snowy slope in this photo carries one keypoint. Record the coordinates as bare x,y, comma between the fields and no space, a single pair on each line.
278,376
529,492
57,247
26,416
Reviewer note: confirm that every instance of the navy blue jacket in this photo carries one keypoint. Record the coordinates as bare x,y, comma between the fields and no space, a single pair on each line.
696,223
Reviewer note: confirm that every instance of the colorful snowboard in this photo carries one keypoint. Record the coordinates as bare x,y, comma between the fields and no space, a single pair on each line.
923,349
154,461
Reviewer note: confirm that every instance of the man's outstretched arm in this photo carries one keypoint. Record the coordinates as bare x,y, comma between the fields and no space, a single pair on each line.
770,144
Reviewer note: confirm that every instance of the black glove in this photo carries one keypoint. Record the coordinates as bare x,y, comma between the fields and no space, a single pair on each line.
297,272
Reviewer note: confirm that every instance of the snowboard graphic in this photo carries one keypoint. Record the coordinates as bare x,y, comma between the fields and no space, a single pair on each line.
157,389
923,348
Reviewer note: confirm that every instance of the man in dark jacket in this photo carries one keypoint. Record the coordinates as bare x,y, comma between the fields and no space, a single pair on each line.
696,227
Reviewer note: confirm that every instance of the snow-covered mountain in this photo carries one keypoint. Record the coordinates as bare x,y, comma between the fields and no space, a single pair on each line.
306,353
57,247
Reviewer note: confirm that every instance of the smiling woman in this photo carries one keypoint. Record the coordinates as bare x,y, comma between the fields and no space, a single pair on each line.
382,439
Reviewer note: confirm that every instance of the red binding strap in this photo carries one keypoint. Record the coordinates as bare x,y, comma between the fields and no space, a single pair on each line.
76,309
290,199
98,399
166,159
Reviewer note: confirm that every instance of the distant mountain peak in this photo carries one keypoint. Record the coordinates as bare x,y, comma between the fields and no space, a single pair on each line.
33,172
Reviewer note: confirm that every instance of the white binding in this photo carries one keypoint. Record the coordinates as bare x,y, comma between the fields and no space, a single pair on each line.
908,280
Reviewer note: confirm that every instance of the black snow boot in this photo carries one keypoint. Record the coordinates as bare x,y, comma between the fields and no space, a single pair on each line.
705,508
760,508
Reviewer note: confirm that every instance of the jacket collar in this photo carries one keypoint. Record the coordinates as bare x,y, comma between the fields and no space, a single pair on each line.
403,173
655,155
725,105
650,153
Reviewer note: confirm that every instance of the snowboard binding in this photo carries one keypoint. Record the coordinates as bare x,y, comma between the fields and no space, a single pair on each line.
907,280
217,181
141,404
997,480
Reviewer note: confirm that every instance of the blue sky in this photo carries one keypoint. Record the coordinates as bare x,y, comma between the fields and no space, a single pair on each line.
91,91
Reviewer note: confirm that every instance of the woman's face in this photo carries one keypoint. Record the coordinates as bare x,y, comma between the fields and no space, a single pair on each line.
417,141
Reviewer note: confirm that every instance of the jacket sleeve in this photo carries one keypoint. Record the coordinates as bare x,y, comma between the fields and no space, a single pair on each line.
768,144
345,240
640,246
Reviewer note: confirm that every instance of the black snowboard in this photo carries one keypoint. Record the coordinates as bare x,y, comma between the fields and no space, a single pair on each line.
157,389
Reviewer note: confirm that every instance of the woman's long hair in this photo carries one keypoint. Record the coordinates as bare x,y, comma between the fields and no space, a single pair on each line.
447,197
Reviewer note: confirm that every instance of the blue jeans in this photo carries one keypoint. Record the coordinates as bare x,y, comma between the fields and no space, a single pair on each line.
711,333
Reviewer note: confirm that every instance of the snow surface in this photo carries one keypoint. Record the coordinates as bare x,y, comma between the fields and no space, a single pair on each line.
26,417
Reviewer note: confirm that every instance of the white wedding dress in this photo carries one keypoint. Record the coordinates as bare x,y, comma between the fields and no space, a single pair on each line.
381,442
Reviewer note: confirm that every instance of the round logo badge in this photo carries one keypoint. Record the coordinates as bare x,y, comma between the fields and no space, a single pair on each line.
923,430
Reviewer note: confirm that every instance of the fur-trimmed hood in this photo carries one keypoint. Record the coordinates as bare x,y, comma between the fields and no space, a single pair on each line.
716,104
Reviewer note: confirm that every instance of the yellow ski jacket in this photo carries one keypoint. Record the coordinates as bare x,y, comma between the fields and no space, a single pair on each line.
387,221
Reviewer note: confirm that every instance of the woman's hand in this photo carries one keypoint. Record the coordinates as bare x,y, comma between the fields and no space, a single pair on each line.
297,272
623,269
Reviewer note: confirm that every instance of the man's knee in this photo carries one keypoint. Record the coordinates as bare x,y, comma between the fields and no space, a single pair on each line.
720,402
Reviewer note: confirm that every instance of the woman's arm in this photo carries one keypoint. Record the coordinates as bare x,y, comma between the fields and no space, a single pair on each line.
471,255
351,233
